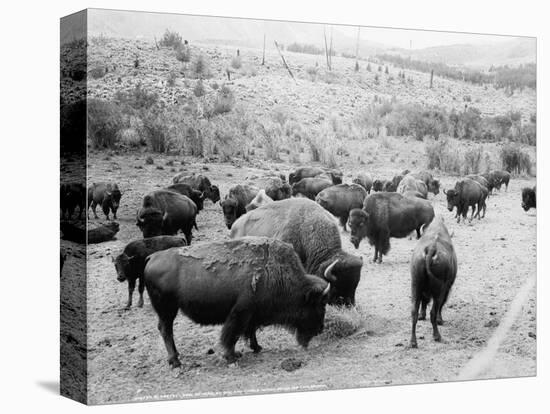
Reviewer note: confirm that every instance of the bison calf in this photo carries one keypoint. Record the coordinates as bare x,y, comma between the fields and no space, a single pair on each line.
130,264
433,272
244,284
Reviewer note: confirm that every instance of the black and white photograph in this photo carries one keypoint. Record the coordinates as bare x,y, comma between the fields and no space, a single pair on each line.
252,206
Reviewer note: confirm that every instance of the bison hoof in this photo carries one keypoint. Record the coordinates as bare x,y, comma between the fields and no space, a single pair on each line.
422,317
437,338
174,362
140,303
440,321
127,307
256,349
232,357
414,345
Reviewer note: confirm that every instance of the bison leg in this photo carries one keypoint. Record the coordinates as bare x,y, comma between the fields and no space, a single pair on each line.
166,328
414,317
234,326
251,334
94,205
141,287
433,318
473,211
131,287
375,254
343,221
418,232
425,301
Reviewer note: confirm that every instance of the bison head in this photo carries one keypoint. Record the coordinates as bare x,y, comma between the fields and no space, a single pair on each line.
528,197
452,198
213,193
310,318
377,185
123,264
343,274
229,208
358,221
433,187
291,178
150,221
198,198
336,176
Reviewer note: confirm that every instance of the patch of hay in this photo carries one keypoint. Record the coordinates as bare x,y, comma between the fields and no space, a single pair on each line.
341,322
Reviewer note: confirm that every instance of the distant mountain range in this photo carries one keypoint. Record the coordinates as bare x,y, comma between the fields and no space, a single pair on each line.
247,32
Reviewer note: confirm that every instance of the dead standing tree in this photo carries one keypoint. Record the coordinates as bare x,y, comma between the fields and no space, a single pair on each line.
284,62
432,79
263,54
326,50
357,50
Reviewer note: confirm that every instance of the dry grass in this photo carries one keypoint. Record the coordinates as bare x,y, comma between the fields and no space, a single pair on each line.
341,322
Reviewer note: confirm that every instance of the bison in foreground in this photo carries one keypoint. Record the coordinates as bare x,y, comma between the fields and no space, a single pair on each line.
107,196
433,272
244,284
235,202
200,183
467,193
261,199
310,187
529,198
340,199
164,212
130,264
314,234
386,215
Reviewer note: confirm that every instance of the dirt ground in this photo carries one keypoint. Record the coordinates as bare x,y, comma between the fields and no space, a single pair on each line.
127,360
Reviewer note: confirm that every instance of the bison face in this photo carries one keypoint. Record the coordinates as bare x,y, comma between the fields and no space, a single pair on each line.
358,220
434,187
286,191
528,199
213,193
150,221
122,266
344,275
311,317
452,199
291,178
377,185
229,208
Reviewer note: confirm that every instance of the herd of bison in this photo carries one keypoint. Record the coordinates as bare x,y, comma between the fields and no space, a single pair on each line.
284,262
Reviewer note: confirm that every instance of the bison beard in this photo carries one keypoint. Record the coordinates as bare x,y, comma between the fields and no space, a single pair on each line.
244,284
433,272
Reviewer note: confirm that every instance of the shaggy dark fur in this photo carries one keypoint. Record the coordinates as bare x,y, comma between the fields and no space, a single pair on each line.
107,196
340,199
235,202
310,187
244,284
529,198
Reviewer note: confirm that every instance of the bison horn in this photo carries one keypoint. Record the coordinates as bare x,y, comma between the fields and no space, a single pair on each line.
444,192
328,272
165,216
140,220
326,291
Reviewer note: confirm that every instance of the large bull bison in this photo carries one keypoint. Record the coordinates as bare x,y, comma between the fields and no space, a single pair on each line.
529,198
200,183
314,234
310,187
386,215
106,195
480,179
235,202
72,195
427,178
410,183
185,189
491,180
130,264
261,199
244,284
467,193
164,212
433,272
364,180
340,199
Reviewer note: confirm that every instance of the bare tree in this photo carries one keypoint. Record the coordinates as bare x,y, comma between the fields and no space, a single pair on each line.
263,55
284,61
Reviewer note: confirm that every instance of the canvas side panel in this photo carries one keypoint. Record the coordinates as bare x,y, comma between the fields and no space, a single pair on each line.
73,90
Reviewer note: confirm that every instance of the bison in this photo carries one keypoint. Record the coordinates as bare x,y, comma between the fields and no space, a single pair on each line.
106,195
200,183
310,187
244,284
274,187
364,180
433,272
130,264
386,215
480,179
379,185
304,172
176,211
431,183
340,199
410,183
491,181
529,198
72,195
196,196
235,202
467,193
261,199
314,234
501,177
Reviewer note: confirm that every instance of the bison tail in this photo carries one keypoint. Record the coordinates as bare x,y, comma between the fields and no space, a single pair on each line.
195,224
429,253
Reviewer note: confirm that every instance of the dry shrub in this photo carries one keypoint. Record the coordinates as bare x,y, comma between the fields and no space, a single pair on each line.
105,120
183,53
472,160
443,155
236,62
200,67
199,89
515,160
225,101
98,72
341,322
170,39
